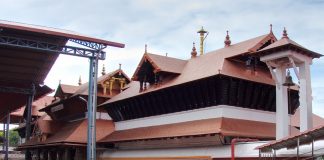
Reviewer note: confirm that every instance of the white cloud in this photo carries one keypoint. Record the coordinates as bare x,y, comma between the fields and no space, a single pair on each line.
169,26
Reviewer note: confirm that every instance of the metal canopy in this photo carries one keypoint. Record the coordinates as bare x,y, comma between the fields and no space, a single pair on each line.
26,39
306,137
27,53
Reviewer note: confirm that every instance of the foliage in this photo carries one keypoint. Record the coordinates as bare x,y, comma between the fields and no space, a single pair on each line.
13,137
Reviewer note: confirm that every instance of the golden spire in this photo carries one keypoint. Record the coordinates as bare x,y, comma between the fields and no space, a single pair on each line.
193,52
103,70
227,40
79,83
202,38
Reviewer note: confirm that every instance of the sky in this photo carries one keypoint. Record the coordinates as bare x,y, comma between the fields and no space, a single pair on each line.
170,26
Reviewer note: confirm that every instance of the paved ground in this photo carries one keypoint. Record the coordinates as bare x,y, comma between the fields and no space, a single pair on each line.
13,155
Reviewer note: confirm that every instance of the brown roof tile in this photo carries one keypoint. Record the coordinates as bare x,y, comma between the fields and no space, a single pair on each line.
295,119
70,89
287,42
73,132
161,64
210,64
83,89
224,126
37,105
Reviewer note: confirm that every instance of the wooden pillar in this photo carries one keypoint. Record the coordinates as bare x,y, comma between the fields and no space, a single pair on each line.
52,155
111,83
67,154
44,155
38,154
78,154
60,154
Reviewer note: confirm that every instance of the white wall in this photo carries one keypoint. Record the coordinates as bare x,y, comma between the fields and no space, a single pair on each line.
199,114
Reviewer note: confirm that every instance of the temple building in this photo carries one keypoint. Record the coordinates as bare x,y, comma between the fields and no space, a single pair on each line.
61,132
200,107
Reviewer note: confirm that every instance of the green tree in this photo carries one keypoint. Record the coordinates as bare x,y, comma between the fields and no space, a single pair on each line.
13,137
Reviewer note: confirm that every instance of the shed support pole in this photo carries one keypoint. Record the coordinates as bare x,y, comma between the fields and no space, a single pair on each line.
92,109
7,137
4,133
312,148
30,100
297,148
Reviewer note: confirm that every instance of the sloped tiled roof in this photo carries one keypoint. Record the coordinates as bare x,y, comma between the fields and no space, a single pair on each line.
83,89
161,64
111,74
65,89
69,88
210,64
287,42
223,126
73,132
37,105
295,119
167,64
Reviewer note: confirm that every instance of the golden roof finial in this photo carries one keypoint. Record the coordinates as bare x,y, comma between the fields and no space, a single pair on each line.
202,33
103,72
193,52
227,40
79,83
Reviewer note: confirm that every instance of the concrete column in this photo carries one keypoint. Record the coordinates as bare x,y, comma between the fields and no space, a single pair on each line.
305,97
282,126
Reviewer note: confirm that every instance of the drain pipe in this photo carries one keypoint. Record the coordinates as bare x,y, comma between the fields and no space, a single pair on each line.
235,140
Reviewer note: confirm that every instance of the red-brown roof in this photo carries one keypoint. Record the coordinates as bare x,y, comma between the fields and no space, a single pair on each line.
83,89
37,105
111,74
56,32
70,89
72,133
213,63
288,43
295,119
162,64
223,126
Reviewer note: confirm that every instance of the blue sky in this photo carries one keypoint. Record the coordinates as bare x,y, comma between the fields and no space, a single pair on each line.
169,26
